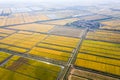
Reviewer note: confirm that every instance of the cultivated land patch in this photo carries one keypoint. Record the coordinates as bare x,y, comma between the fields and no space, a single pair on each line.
32,68
36,44
3,56
33,27
111,24
104,35
62,41
21,41
101,56
6,32
49,53
77,74
32,18
11,75
55,47
14,19
67,31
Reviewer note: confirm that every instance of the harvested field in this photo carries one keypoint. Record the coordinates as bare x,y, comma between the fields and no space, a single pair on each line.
77,74
33,27
66,31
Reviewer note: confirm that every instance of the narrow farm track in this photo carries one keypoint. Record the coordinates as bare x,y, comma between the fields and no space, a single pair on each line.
6,60
71,61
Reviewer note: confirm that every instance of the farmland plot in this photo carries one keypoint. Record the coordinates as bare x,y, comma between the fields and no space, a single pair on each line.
78,74
32,68
101,56
62,41
104,35
3,56
22,40
65,31
33,27
112,24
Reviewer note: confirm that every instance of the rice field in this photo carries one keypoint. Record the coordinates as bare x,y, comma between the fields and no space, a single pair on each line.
14,19
111,27
3,56
6,31
111,23
22,39
11,75
36,43
33,27
2,21
55,47
3,35
29,18
104,35
32,18
43,17
13,48
32,68
51,47
101,56
49,53
62,41
19,18
67,31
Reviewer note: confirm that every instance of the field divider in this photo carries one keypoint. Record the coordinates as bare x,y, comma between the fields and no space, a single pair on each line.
34,57
54,49
6,60
72,60
101,56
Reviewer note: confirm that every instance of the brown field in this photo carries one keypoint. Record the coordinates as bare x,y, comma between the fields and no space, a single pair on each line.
112,24
66,31
77,74
2,21
104,35
14,19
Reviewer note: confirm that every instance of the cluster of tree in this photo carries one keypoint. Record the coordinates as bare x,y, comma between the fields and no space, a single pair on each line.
83,24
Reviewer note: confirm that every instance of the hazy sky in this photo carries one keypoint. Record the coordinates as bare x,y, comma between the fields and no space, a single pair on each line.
85,1
61,1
